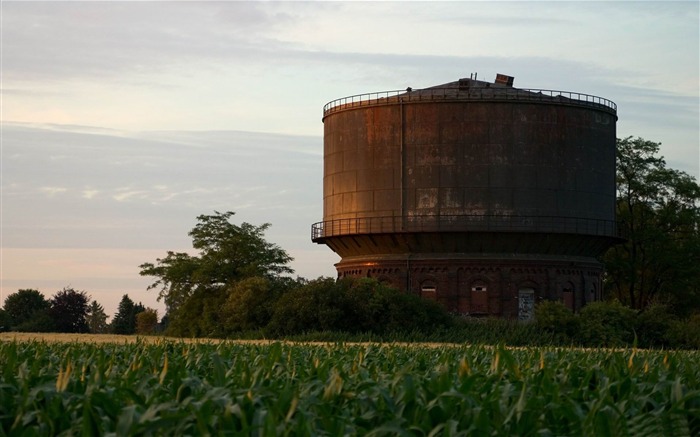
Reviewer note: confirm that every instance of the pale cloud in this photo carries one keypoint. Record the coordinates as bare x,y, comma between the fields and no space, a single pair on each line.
53,191
89,194
126,194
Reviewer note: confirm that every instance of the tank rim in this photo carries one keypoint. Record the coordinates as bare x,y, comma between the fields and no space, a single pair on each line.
486,93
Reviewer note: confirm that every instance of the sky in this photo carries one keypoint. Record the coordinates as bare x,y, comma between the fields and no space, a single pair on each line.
121,122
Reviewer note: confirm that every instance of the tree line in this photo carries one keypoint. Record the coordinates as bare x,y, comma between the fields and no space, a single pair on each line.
72,311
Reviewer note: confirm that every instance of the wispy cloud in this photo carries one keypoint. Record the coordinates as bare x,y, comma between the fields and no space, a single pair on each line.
125,195
53,191
89,194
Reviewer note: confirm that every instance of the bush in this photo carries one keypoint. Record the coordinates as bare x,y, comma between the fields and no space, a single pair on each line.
407,312
353,306
200,315
685,334
609,324
653,325
557,319
250,303
295,312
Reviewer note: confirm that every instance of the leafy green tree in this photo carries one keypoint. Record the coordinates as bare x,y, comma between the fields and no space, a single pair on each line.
200,315
97,318
228,253
250,303
41,321
147,321
125,320
22,306
69,309
658,212
314,307
176,275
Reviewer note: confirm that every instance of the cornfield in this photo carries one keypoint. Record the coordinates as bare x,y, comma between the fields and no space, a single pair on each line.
271,389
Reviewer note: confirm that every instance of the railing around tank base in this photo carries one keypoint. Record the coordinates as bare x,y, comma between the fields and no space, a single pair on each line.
463,223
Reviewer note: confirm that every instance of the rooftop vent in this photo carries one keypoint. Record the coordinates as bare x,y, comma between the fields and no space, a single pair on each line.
504,80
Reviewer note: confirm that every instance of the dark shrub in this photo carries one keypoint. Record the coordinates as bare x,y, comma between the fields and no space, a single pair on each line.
608,324
298,311
653,325
685,334
249,305
353,306
557,319
407,312
5,321
200,315
40,321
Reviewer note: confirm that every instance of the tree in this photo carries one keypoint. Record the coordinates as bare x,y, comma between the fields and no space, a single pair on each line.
97,319
658,212
250,303
125,319
22,306
5,321
147,321
69,309
228,253
200,315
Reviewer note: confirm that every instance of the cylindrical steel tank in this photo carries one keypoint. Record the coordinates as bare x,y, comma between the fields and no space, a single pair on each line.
482,196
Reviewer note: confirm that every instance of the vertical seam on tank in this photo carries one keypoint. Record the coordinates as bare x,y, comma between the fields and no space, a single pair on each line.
403,166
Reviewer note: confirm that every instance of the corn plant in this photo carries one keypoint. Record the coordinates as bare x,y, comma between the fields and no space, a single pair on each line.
344,389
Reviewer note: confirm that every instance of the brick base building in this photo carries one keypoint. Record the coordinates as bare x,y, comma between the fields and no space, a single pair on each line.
485,286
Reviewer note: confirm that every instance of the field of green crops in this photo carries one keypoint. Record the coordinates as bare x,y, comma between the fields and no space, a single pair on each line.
305,389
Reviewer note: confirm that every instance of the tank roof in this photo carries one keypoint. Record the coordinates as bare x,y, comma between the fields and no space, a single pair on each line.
462,87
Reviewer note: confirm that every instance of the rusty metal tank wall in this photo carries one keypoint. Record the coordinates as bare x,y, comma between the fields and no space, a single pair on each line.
465,180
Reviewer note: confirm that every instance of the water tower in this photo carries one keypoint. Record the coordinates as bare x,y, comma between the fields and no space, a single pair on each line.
484,197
